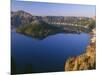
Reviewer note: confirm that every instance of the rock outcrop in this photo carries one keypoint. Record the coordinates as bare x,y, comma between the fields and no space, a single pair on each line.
85,61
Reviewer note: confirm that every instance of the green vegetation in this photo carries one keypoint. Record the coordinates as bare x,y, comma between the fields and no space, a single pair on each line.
38,30
92,25
38,26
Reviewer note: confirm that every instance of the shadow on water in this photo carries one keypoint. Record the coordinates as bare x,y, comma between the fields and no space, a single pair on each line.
28,68
13,66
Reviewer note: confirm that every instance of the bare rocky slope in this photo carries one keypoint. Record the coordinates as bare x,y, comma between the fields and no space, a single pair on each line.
85,61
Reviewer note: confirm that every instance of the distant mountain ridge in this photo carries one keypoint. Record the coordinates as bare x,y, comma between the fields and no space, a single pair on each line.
22,13
20,17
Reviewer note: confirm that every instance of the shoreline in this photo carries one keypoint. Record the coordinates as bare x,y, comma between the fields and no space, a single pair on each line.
85,61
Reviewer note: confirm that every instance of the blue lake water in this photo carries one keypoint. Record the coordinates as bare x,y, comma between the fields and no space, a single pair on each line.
49,54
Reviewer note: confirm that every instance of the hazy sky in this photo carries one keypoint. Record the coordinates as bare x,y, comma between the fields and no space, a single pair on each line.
53,9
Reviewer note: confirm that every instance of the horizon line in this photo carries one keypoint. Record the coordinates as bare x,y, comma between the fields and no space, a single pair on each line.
52,15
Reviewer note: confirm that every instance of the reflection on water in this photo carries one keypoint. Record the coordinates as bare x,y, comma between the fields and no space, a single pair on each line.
13,66
28,68
30,55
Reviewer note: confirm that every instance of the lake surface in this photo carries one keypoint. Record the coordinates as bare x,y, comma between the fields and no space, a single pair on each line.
47,55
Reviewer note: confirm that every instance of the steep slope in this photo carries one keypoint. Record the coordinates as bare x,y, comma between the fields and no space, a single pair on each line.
20,18
85,61
38,29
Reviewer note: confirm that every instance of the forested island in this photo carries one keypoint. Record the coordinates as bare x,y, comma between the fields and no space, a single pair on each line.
40,27
38,30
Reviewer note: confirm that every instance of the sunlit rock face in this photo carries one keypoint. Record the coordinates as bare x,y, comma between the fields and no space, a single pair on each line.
37,22
85,61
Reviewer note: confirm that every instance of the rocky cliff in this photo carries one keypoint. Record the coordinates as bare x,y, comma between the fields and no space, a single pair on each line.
85,61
